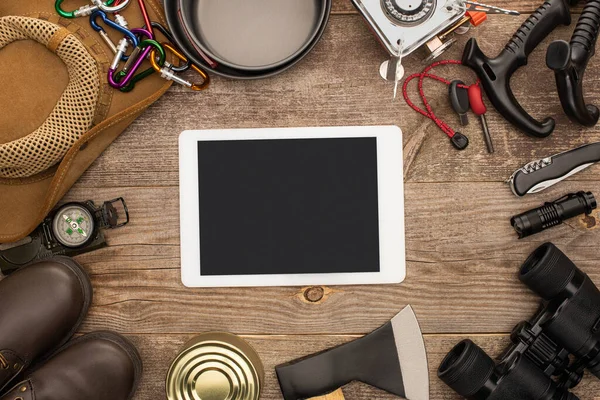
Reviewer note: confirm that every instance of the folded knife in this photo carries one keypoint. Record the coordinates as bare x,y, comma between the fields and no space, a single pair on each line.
542,174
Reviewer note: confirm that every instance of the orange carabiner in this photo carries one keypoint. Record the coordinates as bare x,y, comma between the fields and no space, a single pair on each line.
168,74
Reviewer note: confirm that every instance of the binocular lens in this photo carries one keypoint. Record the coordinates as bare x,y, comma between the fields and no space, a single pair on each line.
466,369
547,271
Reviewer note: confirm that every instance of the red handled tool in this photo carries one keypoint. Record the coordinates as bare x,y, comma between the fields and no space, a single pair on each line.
478,107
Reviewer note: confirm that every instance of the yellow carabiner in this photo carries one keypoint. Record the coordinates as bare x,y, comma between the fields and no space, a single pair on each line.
168,74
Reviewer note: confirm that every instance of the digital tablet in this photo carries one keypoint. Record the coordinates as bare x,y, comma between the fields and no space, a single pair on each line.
293,206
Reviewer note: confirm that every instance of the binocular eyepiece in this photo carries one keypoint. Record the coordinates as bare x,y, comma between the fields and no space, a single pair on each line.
550,352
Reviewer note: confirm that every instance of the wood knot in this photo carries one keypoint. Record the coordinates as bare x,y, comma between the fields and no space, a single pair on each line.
314,294
589,222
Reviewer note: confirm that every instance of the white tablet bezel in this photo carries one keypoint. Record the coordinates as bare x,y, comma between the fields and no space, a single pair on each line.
391,207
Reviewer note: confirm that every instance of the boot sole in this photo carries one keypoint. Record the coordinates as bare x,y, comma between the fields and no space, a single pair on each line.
88,293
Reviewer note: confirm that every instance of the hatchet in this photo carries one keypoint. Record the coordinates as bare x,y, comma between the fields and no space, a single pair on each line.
392,358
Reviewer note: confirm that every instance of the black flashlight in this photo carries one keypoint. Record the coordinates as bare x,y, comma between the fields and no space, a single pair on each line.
552,214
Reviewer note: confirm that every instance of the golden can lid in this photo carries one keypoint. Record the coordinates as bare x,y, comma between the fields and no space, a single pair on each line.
215,366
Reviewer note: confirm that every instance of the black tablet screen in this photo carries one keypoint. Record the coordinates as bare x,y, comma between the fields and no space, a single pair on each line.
294,206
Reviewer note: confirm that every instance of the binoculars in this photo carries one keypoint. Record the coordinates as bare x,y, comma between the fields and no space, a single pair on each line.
550,352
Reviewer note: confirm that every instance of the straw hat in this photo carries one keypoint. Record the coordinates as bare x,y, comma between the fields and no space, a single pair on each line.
57,111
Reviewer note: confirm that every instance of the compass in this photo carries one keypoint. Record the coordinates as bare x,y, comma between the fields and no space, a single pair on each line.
73,225
72,229
408,11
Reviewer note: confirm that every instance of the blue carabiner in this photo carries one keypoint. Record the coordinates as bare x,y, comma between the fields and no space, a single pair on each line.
95,26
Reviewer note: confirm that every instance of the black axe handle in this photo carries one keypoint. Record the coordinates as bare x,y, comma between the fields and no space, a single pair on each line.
495,73
372,359
569,61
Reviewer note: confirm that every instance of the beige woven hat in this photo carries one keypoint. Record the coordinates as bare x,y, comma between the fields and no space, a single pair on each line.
57,111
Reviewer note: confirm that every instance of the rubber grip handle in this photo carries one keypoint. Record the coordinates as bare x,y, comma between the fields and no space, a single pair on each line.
476,100
495,74
586,30
372,359
538,26
569,62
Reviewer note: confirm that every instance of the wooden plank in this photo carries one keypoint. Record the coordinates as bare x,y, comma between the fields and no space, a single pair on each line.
158,350
332,88
524,6
461,271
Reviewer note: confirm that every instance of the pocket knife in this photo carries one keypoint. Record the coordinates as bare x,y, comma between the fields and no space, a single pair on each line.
542,174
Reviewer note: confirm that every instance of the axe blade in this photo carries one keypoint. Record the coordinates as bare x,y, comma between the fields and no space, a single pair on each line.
392,358
411,354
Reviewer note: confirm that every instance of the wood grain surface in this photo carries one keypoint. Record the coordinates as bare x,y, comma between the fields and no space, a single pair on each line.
462,253
524,6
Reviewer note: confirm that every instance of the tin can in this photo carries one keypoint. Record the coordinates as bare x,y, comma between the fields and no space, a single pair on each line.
215,366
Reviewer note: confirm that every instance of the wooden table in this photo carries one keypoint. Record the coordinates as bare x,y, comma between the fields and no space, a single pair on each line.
462,253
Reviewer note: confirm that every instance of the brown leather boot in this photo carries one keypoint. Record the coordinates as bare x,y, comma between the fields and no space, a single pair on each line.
41,307
97,366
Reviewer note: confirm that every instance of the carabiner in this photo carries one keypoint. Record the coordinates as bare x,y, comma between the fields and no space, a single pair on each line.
103,34
129,86
166,72
111,9
119,19
80,12
88,9
136,78
116,49
146,45
119,49
140,33
169,36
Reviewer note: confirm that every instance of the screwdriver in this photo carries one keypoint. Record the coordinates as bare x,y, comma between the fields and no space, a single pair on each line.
459,99
478,107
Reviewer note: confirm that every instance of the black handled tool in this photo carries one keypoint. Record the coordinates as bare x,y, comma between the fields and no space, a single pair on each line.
541,174
495,73
459,100
479,108
392,358
569,61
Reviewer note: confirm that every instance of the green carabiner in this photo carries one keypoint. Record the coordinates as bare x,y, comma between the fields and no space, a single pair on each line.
162,57
131,84
61,12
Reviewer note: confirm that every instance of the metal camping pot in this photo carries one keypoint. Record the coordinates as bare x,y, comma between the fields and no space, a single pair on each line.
247,40
215,366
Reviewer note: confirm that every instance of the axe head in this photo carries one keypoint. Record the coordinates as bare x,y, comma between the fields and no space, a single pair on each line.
392,358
